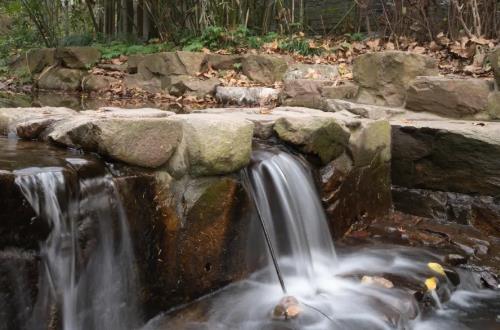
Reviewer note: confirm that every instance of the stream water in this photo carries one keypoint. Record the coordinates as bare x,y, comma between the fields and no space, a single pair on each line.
87,278
330,291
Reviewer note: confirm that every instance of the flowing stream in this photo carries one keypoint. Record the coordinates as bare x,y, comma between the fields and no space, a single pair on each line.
367,288
87,278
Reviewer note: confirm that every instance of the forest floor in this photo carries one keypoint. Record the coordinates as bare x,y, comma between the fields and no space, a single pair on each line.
466,57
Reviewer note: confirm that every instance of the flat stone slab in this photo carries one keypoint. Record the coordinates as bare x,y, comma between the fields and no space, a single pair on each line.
455,156
450,97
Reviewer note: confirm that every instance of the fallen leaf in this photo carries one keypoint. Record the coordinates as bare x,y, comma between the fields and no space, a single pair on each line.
431,283
434,266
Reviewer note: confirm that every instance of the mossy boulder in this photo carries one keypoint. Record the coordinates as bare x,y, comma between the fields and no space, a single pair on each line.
322,136
214,144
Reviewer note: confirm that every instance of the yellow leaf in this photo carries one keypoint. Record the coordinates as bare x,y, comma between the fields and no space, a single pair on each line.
436,268
431,283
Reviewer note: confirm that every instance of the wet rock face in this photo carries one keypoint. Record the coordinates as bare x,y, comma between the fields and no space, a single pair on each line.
458,157
193,240
384,77
353,194
18,225
18,287
448,171
481,212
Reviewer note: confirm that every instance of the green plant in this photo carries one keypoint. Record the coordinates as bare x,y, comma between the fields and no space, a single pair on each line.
358,36
299,45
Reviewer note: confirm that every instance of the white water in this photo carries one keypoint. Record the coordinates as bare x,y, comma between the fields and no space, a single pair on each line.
90,286
327,286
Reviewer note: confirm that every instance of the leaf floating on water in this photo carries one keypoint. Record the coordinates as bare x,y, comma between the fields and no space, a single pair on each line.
377,281
434,266
431,283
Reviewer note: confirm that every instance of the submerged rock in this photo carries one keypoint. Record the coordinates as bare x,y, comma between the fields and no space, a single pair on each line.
384,76
288,308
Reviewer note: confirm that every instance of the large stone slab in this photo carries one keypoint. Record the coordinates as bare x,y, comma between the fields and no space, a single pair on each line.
450,97
384,76
454,156
11,117
145,142
213,144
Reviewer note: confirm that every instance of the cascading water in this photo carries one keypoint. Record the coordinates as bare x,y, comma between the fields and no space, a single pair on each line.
87,278
350,291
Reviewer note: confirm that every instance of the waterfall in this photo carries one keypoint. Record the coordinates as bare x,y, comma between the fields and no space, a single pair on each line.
87,277
292,216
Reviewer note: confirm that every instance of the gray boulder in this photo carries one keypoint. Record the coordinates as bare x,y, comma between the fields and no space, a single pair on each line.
384,77
264,69
57,78
451,97
192,86
78,57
